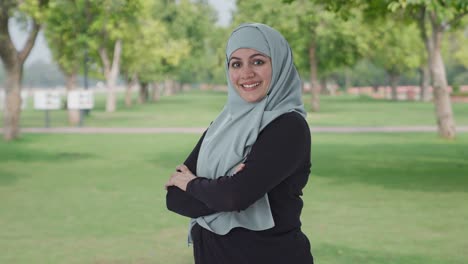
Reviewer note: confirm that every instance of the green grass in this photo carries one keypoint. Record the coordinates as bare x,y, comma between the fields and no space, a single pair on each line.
364,111
198,109
371,198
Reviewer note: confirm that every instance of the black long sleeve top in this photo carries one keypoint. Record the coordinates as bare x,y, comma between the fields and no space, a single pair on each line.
279,165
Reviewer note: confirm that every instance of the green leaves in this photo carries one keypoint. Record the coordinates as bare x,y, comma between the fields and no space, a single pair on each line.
36,9
396,46
66,34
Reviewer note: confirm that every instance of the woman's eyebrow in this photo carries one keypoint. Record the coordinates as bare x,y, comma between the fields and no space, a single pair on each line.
234,58
258,54
251,56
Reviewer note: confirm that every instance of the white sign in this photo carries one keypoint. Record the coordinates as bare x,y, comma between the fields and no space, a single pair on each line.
47,100
81,99
24,100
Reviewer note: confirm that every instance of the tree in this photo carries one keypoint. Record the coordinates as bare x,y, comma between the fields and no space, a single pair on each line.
150,50
441,17
31,11
109,22
434,19
395,47
65,31
194,22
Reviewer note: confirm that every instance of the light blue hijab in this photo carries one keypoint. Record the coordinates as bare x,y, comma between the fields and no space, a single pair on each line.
231,135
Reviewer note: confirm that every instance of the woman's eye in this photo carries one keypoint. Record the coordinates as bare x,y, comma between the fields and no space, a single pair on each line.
235,64
258,62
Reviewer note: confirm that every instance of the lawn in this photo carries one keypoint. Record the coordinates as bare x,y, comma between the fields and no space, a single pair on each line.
350,110
171,111
371,198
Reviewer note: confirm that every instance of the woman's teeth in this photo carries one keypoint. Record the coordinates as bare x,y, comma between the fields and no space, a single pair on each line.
250,85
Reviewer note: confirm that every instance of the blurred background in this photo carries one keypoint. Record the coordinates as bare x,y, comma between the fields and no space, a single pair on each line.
101,99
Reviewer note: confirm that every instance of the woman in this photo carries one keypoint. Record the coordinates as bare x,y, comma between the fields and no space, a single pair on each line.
253,161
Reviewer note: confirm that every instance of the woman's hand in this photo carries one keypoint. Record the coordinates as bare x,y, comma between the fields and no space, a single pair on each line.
183,176
239,168
180,178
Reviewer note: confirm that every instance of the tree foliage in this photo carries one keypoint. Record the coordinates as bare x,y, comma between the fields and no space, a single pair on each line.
396,46
149,47
66,33
194,22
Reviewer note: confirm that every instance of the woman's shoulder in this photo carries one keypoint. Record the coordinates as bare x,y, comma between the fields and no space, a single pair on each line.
290,123
291,118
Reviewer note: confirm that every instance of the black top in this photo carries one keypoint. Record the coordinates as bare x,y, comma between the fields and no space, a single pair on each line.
278,164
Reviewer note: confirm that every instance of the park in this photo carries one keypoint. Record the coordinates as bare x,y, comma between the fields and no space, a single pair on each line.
99,198
85,184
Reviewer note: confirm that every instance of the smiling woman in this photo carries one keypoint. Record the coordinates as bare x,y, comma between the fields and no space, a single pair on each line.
242,184
250,73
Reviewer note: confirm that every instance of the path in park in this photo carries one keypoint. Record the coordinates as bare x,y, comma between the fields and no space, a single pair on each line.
198,130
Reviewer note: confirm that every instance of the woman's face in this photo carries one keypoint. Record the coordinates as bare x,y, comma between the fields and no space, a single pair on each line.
250,73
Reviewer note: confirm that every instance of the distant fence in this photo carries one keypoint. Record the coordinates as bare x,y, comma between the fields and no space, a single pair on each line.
408,93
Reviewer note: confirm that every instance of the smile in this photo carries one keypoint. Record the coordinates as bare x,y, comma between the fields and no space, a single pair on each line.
248,86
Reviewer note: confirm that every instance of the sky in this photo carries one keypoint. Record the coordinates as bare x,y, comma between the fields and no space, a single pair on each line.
42,52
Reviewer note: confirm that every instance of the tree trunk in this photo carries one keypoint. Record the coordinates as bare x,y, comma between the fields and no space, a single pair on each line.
156,92
131,83
13,61
111,100
70,84
424,82
323,86
168,87
144,93
128,95
347,79
177,86
314,83
443,105
111,72
12,110
426,68
394,79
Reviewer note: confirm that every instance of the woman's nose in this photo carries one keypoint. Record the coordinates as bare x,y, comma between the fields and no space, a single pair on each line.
247,72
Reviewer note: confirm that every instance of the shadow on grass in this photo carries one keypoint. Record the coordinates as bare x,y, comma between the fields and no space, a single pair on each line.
20,154
328,253
8,177
422,167
33,155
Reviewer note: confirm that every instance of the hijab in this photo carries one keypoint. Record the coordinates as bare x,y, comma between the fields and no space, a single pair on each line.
230,137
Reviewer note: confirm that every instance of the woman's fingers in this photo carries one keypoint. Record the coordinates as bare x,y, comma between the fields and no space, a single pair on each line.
168,183
182,168
180,177
239,168
172,180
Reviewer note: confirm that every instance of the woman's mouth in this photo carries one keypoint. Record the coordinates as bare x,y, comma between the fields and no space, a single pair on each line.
250,86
